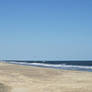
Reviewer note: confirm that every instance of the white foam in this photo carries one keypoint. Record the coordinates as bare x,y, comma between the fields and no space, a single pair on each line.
54,65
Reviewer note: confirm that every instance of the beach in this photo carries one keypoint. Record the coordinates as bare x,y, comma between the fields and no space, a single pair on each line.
19,78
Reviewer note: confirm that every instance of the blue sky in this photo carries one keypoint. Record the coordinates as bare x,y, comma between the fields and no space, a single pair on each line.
46,29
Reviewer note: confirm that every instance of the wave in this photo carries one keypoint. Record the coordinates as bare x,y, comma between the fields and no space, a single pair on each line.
57,66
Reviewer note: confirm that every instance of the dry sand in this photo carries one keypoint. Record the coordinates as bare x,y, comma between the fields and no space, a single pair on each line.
19,78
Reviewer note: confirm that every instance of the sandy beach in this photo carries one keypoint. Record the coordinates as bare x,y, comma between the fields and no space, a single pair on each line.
19,78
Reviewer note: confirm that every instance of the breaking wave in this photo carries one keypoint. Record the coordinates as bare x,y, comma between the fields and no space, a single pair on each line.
57,66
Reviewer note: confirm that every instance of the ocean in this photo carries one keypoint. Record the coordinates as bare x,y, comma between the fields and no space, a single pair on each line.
67,65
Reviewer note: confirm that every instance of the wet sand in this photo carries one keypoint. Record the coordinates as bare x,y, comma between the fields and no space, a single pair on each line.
19,78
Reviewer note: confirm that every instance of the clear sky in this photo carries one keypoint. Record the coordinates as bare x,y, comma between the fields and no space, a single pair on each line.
46,29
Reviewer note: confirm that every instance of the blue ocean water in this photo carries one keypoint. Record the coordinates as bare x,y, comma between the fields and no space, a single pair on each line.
67,65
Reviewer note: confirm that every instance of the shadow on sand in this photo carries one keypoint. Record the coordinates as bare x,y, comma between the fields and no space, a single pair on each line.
4,88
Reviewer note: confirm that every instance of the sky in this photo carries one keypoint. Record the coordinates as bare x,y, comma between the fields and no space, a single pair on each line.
46,29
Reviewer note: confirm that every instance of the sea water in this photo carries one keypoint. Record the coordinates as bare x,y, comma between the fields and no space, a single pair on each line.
67,65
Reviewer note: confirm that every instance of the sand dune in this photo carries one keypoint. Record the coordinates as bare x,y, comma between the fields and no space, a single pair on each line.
18,78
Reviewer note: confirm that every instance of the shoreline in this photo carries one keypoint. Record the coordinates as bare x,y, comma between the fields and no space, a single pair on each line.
50,67
20,78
